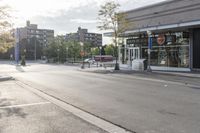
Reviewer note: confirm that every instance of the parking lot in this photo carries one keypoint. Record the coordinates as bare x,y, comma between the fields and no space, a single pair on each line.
21,111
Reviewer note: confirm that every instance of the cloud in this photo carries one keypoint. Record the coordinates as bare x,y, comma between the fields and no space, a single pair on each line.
69,21
64,16
83,21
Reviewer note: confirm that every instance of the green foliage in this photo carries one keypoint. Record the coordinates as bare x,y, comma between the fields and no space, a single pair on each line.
4,18
87,48
60,50
109,50
111,20
66,50
51,50
6,39
95,51
74,49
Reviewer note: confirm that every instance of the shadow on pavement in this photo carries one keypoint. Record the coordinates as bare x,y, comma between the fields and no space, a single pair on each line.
196,88
19,68
10,111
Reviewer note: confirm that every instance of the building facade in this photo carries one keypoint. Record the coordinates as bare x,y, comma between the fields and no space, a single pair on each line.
82,35
171,29
33,40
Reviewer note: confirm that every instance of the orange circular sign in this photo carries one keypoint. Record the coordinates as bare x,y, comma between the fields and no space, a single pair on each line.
82,53
161,39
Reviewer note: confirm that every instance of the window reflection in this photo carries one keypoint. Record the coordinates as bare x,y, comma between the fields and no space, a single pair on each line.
174,54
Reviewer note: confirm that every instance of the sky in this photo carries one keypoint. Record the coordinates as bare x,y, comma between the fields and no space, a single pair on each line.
64,16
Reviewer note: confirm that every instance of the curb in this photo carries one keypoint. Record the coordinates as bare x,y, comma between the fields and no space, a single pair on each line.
178,74
5,78
101,71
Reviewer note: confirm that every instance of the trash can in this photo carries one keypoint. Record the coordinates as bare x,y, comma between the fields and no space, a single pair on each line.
136,65
139,64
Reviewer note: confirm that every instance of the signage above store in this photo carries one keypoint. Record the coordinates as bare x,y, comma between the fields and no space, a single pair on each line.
137,41
161,39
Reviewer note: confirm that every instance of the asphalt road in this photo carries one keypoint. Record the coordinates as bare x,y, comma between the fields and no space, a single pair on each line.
144,104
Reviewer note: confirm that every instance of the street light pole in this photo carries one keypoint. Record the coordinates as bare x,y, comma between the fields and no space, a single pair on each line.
66,54
100,55
58,50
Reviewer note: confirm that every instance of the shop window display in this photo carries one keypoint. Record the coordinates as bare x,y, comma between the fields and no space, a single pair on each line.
174,53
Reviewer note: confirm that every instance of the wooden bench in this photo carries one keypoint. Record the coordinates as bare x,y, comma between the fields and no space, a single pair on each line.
108,64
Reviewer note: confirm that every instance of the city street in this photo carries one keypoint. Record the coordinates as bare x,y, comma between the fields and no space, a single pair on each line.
100,66
137,102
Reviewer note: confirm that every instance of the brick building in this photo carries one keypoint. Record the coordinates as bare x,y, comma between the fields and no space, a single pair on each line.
82,35
33,40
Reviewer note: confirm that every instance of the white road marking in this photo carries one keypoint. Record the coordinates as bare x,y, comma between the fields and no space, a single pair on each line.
103,124
24,105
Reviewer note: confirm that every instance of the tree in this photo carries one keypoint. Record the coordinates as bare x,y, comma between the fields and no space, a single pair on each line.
109,50
59,49
74,49
6,39
95,51
87,48
113,21
4,18
51,50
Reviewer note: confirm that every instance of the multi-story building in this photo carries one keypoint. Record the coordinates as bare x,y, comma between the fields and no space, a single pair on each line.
33,40
82,35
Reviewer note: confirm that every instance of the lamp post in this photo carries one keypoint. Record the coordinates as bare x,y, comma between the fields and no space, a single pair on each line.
58,50
100,52
66,54
23,62
149,50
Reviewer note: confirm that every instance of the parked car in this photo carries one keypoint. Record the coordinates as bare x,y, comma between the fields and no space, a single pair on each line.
89,60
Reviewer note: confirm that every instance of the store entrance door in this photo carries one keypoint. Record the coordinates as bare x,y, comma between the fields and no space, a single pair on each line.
133,53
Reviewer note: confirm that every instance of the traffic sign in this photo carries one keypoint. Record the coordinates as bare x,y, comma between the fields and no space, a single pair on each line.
150,41
82,53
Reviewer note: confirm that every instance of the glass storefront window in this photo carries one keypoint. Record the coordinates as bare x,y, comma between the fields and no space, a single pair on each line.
175,54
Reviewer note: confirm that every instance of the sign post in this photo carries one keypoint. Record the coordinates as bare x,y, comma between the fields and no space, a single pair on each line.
17,37
149,50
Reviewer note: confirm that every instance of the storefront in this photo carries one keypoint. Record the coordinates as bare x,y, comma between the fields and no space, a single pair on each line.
175,42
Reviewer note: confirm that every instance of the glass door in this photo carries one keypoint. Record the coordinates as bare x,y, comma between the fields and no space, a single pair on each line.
133,53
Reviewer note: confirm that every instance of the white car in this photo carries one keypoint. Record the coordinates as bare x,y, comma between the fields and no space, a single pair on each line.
91,61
